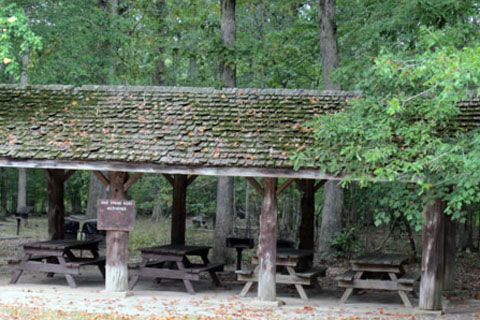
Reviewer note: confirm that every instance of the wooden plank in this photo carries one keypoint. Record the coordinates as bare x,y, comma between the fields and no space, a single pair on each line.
280,278
378,258
255,185
410,277
164,273
375,285
45,267
179,250
433,246
284,186
346,276
376,268
172,169
267,242
131,181
102,178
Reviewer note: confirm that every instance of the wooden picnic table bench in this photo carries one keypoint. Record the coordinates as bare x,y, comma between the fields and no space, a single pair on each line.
171,262
57,256
288,259
379,271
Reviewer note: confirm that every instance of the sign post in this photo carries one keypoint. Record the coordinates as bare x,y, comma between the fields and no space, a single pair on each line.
117,217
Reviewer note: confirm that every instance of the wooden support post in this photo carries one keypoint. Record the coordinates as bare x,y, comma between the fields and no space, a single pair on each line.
449,254
307,225
267,242
116,277
56,206
179,212
431,284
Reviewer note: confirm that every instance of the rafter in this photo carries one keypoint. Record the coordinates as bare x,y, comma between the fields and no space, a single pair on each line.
284,186
255,184
102,178
131,181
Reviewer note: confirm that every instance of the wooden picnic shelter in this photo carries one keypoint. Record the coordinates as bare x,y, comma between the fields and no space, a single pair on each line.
182,133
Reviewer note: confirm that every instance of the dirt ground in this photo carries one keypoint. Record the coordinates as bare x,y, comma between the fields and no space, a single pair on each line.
39,297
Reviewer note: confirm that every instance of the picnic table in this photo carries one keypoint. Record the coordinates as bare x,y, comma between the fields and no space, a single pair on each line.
57,256
171,262
288,259
379,271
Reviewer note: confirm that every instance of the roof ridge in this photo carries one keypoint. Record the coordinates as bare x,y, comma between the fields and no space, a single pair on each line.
176,89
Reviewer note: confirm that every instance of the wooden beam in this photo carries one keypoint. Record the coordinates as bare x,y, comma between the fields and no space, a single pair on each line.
169,179
320,184
171,169
132,180
116,275
68,174
284,186
179,209
102,178
431,284
267,242
191,178
256,185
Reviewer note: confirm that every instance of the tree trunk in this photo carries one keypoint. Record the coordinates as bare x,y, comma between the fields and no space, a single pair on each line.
159,73
328,41
267,242
450,254
3,200
224,219
333,194
56,205
96,190
22,190
331,217
229,35
433,239
179,210
116,277
225,186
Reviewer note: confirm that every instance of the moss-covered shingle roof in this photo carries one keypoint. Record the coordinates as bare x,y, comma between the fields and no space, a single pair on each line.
241,128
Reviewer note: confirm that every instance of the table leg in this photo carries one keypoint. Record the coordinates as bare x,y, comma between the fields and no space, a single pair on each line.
212,273
239,258
134,279
248,285
187,283
16,275
52,260
68,277
349,291
299,287
402,294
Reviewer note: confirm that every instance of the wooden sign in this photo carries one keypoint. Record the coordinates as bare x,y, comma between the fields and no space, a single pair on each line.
116,215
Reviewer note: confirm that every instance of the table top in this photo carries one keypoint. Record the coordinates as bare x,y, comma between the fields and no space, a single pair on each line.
177,249
381,259
285,253
62,244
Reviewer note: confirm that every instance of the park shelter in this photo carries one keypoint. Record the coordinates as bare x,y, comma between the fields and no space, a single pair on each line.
181,133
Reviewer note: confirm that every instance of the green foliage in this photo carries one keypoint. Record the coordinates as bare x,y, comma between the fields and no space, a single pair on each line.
16,38
345,243
405,127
